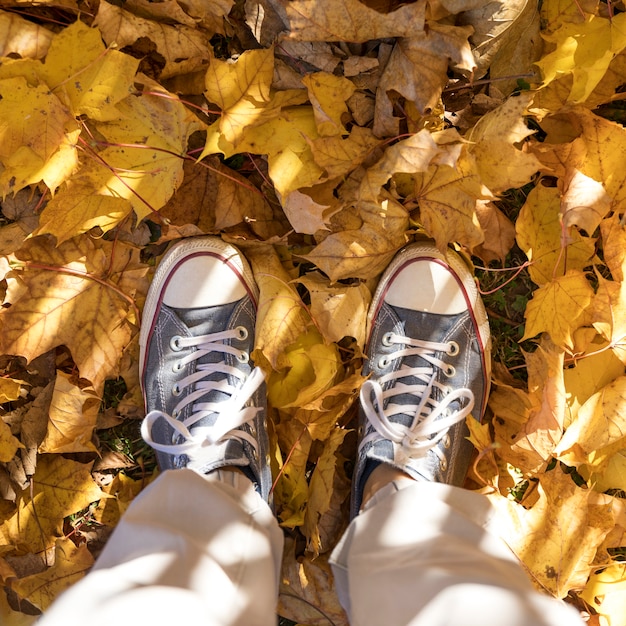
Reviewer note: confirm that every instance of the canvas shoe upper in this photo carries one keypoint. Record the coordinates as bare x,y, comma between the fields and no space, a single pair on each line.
205,402
428,360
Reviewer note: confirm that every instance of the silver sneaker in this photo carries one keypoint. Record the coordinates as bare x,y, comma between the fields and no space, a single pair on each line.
428,360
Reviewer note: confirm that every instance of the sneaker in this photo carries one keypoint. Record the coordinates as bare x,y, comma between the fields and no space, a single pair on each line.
428,360
205,402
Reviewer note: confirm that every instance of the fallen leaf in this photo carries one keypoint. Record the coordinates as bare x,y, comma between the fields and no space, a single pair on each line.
60,488
606,593
37,125
281,316
9,444
339,310
549,245
328,95
340,155
587,56
499,232
71,564
321,490
599,430
447,198
241,90
70,301
418,67
495,138
558,536
351,20
614,239
23,37
309,368
184,49
304,214
366,251
89,78
307,591
72,419
559,308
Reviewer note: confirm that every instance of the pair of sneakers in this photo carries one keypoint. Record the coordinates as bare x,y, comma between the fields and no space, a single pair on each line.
427,362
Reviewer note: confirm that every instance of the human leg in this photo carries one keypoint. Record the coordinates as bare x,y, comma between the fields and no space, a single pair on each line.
421,551
202,541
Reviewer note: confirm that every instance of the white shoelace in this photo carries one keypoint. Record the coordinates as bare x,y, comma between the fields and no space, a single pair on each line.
231,413
431,419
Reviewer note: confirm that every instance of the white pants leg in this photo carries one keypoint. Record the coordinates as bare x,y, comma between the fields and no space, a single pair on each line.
189,550
422,554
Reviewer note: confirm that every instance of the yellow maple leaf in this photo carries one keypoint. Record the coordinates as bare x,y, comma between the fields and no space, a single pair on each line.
610,314
35,124
557,538
60,487
140,169
599,430
71,300
309,368
241,89
281,316
585,51
350,20
9,444
606,593
71,564
590,374
551,247
328,95
88,77
559,308
72,418
614,245
495,138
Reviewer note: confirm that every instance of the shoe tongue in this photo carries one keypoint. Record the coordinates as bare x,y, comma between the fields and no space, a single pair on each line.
205,320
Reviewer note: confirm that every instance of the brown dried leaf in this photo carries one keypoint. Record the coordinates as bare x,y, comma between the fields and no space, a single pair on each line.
350,20
184,49
72,418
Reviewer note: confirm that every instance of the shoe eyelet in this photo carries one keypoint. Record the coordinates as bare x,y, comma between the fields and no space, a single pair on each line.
176,390
449,371
383,362
177,367
175,415
243,357
386,340
443,464
454,348
175,343
446,441
242,333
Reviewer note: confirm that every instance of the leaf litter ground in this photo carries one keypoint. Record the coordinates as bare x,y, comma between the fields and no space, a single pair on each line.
320,138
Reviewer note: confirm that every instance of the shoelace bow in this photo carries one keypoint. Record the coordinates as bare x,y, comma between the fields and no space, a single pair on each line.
431,419
232,413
